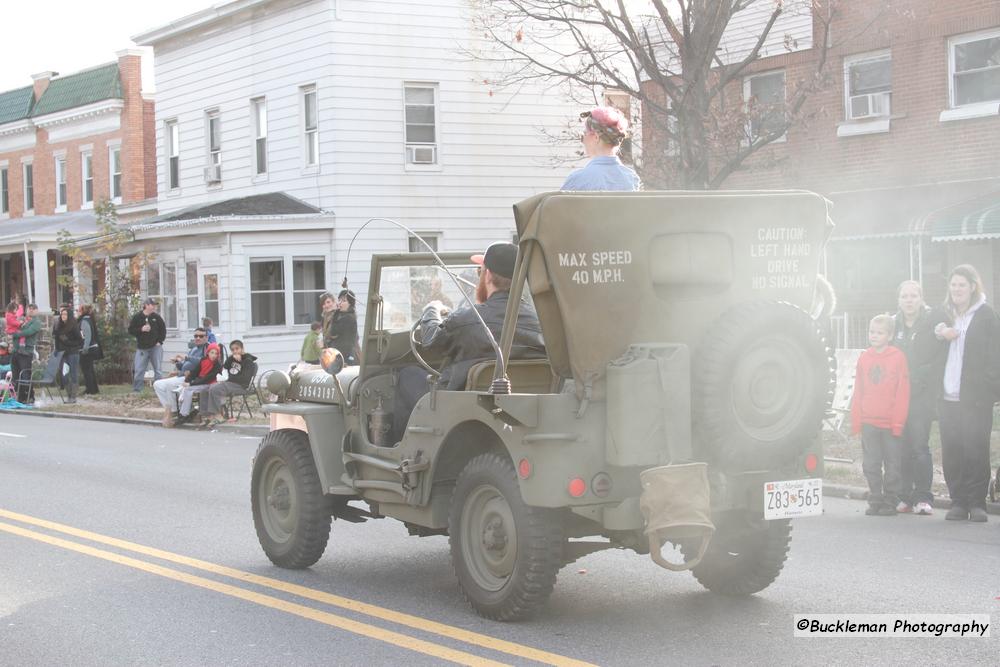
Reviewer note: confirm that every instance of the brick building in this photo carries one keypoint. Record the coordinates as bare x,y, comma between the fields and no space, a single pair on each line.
67,142
905,140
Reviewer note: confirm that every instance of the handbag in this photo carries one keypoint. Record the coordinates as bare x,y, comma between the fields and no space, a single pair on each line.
95,352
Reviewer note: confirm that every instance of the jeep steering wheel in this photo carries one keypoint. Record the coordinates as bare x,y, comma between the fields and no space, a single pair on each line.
413,348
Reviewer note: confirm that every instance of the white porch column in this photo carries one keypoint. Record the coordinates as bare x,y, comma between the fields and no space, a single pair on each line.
40,278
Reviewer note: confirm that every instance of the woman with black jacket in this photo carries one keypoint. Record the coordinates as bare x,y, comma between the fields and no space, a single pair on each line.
66,334
91,351
971,386
925,357
343,330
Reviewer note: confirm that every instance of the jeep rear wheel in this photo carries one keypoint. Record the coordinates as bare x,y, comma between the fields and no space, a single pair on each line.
763,380
290,513
745,555
505,553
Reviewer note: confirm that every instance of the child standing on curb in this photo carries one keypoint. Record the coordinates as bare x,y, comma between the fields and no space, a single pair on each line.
878,412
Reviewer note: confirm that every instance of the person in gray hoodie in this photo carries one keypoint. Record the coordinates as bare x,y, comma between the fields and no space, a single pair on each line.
970,388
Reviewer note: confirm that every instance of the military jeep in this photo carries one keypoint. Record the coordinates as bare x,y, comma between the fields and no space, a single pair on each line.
677,334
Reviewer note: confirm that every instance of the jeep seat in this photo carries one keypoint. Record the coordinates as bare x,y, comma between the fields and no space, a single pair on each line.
527,376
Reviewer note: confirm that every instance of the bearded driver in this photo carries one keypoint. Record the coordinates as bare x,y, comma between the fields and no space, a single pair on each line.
461,337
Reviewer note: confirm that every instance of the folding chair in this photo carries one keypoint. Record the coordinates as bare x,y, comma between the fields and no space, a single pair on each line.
7,387
43,378
847,367
251,391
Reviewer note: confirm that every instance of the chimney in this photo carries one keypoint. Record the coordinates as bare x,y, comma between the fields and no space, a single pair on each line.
130,71
42,82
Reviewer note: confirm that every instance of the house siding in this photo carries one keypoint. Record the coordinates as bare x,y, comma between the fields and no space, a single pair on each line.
359,56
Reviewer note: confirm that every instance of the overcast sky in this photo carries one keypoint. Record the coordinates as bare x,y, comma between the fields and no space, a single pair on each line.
69,35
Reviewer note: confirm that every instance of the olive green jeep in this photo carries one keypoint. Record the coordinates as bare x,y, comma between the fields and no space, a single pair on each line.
679,348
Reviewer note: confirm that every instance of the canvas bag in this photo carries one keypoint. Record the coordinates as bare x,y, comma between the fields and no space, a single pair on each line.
676,505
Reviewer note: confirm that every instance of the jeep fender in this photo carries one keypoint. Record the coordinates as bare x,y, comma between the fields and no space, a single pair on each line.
324,424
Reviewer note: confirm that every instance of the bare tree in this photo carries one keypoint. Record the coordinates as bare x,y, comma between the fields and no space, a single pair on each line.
673,60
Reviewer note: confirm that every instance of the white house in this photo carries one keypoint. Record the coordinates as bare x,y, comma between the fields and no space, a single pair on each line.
339,111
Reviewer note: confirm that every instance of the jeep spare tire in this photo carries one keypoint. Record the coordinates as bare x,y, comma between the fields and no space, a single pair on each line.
762,382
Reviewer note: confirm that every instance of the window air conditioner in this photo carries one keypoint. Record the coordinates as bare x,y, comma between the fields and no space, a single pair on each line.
870,106
213,173
421,154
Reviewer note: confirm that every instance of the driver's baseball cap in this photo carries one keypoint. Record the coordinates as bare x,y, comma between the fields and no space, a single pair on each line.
499,258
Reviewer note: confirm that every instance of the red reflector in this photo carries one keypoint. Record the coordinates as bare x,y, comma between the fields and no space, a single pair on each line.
811,463
577,487
524,468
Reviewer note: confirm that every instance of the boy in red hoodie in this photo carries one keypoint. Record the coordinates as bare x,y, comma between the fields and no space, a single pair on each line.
878,412
195,383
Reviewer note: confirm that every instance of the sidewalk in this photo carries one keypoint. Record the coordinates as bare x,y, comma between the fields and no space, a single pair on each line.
119,404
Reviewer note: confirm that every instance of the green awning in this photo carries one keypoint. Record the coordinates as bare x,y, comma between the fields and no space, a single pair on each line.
971,220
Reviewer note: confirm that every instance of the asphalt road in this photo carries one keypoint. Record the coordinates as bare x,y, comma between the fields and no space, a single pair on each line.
129,545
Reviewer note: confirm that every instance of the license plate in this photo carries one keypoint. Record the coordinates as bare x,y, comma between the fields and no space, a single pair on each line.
793,498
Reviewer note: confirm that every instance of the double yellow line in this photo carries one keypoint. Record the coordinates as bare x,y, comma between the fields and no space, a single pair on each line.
364,629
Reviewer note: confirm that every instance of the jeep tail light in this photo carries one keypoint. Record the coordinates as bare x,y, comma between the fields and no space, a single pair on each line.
577,487
811,463
524,468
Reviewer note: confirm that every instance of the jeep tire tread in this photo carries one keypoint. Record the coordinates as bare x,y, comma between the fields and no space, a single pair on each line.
290,513
505,553
762,381
745,556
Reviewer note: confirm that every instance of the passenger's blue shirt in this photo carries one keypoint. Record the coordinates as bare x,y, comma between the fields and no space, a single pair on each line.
603,173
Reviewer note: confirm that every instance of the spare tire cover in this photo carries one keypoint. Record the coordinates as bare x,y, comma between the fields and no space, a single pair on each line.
762,381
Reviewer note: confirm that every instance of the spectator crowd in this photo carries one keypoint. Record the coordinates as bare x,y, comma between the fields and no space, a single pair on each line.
924,364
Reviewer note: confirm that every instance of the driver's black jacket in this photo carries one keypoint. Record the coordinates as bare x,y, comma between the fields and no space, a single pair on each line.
461,337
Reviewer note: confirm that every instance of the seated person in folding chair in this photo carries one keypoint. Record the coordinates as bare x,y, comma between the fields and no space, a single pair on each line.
166,388
4,358
199,381
242,369
24,354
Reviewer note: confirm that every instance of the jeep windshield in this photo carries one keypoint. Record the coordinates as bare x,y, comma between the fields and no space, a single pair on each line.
406,290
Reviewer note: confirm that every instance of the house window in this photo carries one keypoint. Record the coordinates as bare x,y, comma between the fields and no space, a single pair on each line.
161,284
421,128
191,280
259,107
61,183
310,128
212,297
115,164
29,186
867,86
308,282
4,192
64,280
173,155
213,173
87,172
974,62
431,238
765,99
267,292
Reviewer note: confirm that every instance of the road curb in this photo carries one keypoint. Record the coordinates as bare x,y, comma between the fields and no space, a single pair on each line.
861,493
239,429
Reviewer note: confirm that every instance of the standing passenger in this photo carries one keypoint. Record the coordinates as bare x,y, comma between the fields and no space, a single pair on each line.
604,130
971,387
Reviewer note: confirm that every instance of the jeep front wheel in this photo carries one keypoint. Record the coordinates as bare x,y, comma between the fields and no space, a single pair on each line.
745,555
290,513
505,553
